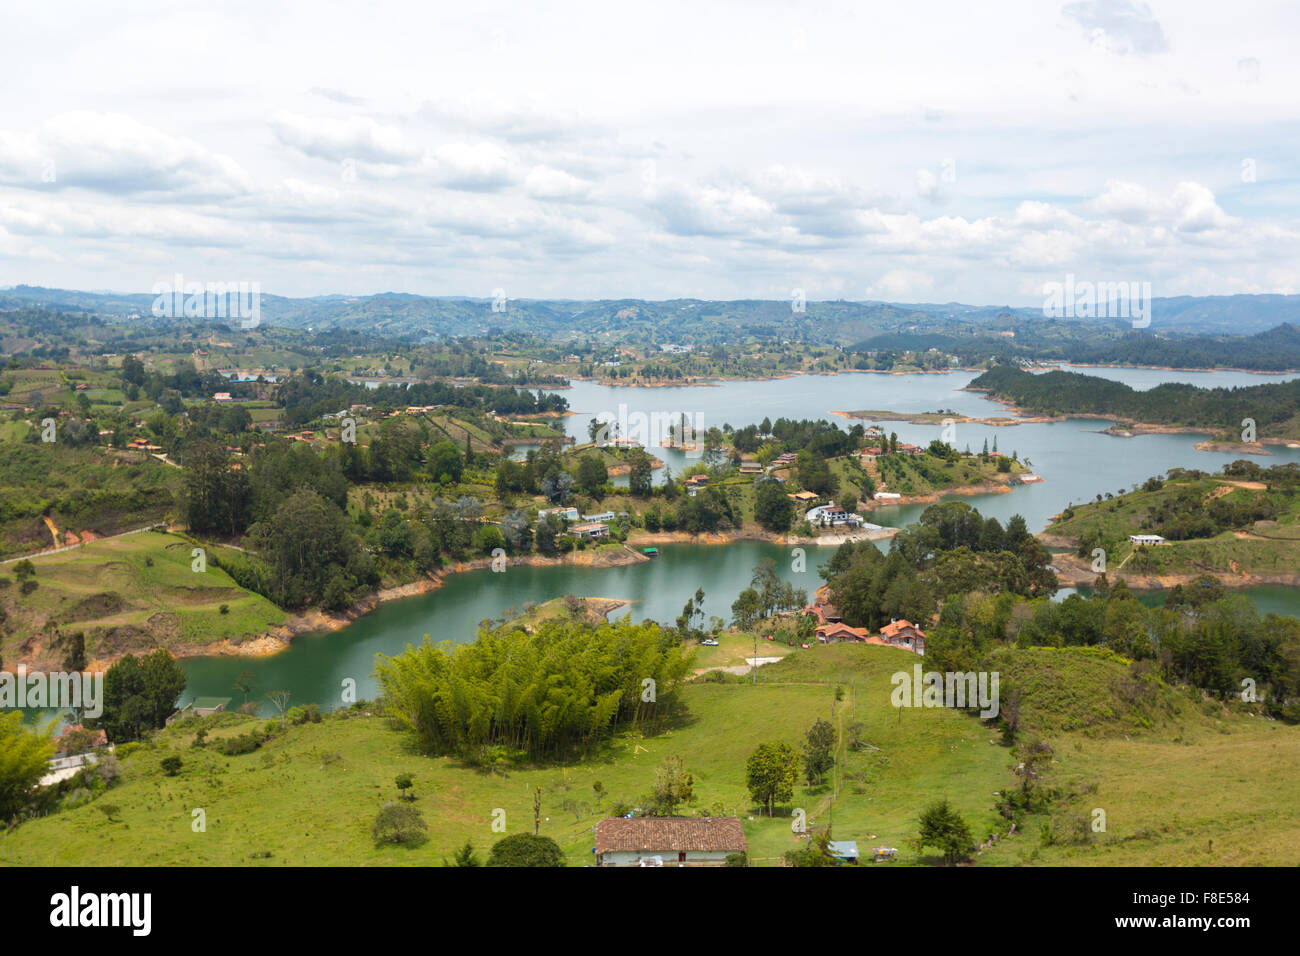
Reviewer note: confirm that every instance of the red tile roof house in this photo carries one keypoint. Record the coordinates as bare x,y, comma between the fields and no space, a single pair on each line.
904,634
841,633
668,841
823,611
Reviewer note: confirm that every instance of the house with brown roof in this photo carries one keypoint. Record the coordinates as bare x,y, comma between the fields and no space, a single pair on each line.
668,841
904,634
826,613
841,633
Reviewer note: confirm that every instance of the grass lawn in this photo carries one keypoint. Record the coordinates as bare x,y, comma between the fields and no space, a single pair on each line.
112,584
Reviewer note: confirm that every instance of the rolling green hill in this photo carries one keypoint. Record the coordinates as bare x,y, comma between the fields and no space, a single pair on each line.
1158,762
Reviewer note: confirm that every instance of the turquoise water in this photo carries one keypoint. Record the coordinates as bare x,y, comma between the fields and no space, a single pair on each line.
1075,460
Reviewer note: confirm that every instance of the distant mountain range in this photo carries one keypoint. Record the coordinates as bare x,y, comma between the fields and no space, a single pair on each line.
846,323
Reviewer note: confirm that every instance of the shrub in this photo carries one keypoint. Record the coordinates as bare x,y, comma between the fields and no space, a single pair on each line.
241,744
107,769
526,849
302,714
122,751
171,765
400,824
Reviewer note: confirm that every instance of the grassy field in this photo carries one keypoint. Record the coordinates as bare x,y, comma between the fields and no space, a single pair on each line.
926,474
1197,784
137,591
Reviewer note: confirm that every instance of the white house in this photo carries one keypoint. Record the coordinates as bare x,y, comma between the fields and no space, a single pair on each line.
570,514
832,514
602,516
676,841
1146,539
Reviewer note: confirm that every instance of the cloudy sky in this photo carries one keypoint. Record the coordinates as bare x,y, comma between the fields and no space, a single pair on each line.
921,152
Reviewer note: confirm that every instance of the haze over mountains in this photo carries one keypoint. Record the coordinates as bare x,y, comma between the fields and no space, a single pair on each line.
840,322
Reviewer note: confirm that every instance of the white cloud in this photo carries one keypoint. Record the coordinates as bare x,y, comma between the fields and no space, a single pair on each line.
112,152
543,182
342,138
900,284
1189,207
1119,26
499,141
474,167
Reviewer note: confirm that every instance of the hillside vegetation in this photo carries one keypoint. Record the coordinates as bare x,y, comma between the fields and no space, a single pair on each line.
126,594
1158,764
1242,521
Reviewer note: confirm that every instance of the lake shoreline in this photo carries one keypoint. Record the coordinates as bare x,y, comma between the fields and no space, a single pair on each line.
1134,427
315,621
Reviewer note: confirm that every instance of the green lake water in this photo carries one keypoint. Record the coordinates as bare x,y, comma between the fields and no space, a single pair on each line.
1074,459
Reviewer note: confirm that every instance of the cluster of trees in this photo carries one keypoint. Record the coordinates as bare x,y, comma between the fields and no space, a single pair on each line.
546,693
543,472
308,396
766,595
773,508
289,502
1058,392
186,380
139,695
821,438
1199,637
952,550
1186,514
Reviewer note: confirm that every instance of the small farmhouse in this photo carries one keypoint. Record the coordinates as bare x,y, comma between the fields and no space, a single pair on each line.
591,531
1151,539
841,633
668,841
904,634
